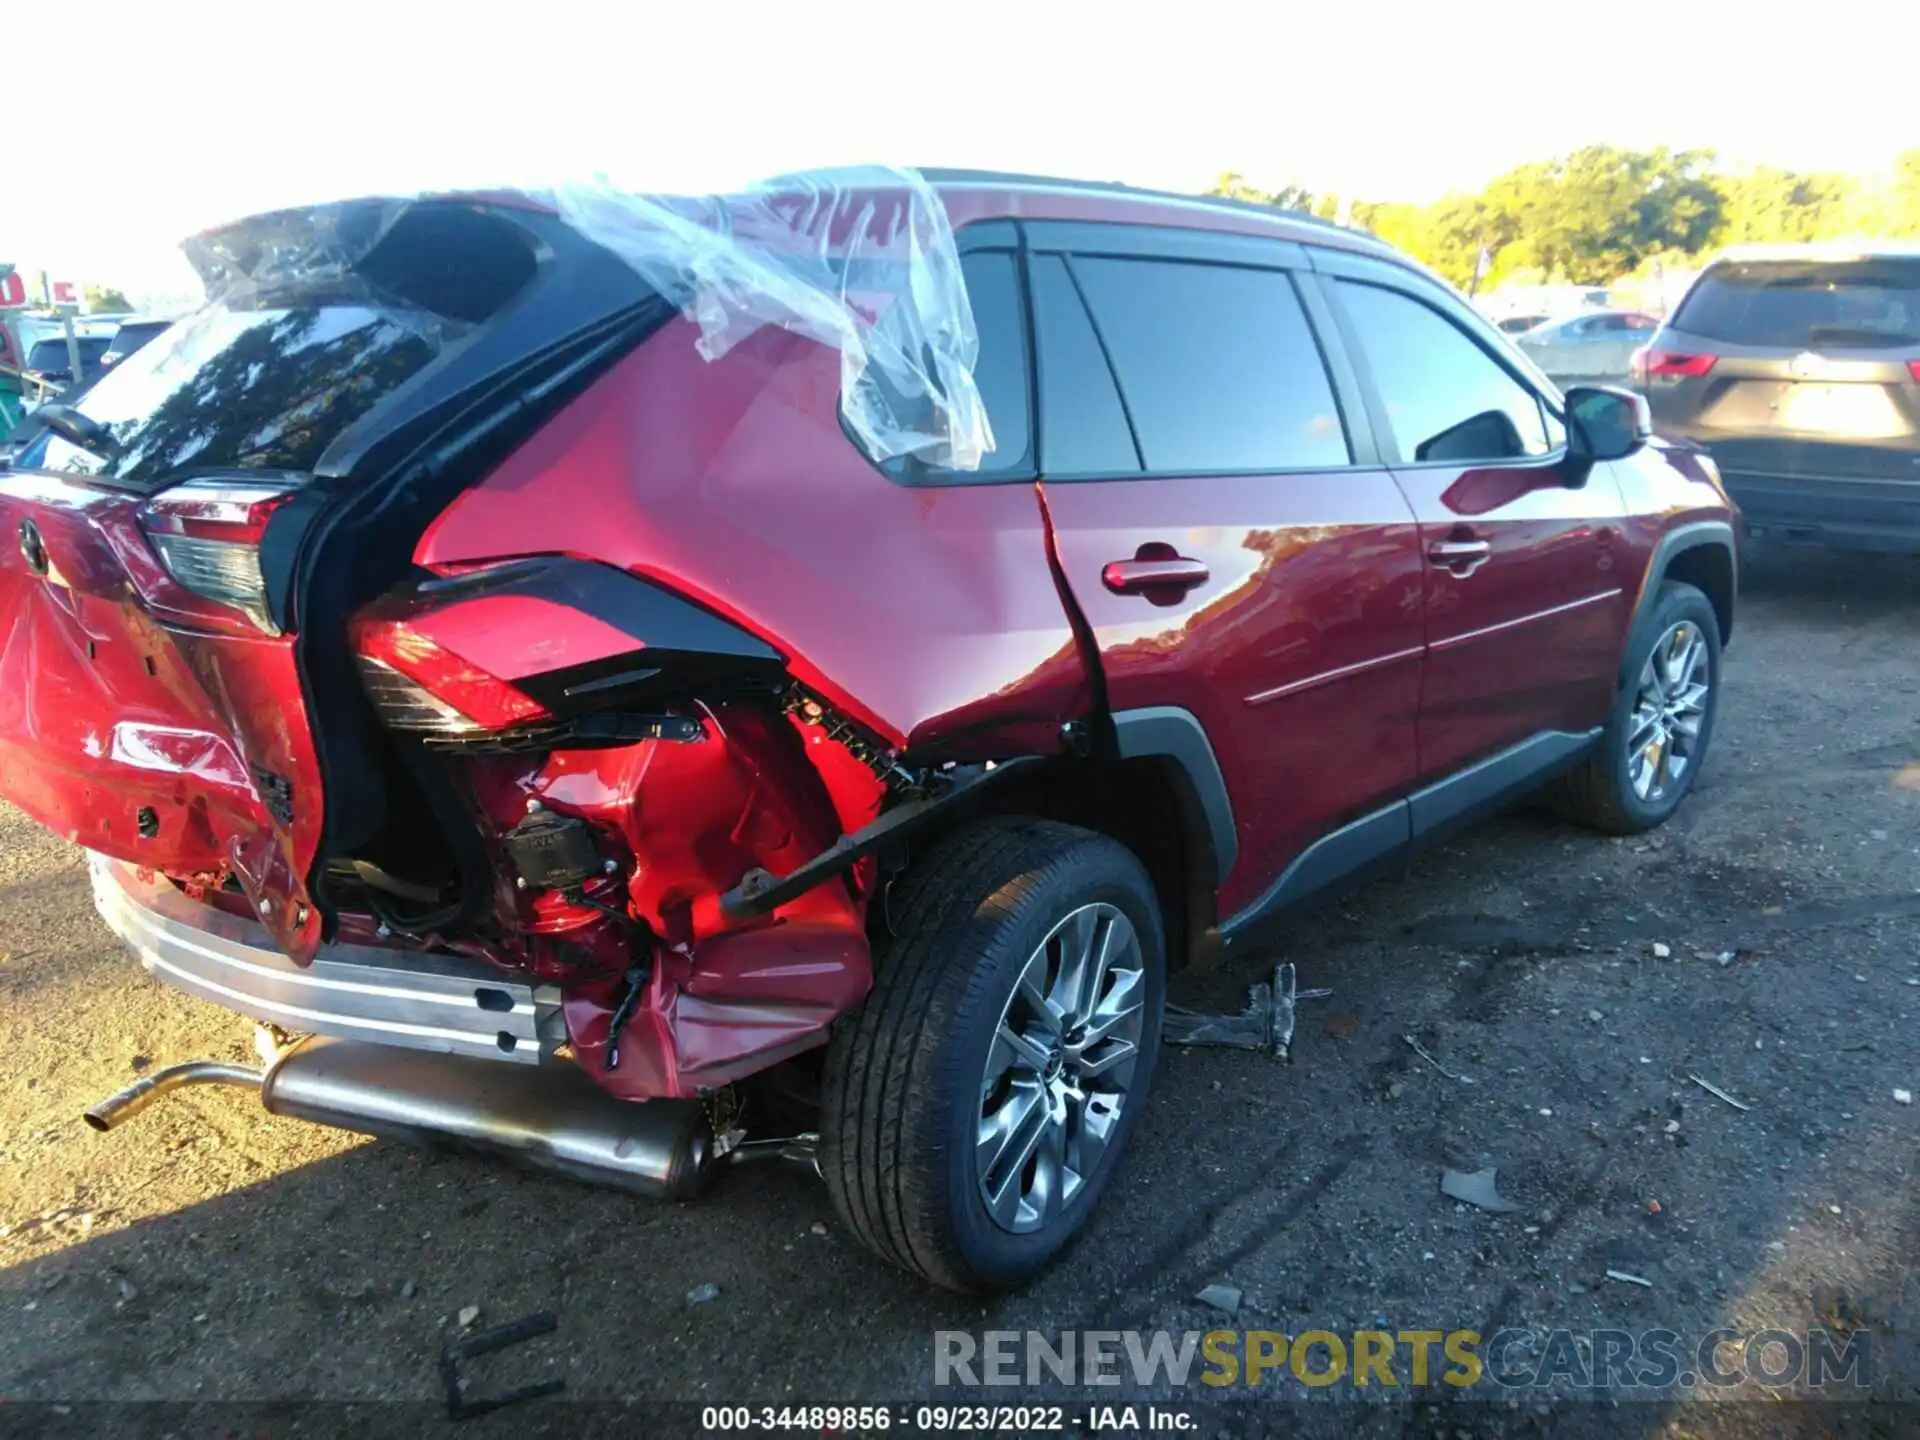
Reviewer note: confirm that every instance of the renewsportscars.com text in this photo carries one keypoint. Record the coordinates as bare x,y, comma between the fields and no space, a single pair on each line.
1610,1359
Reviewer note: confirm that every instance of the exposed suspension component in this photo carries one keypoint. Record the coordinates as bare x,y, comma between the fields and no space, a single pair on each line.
901,781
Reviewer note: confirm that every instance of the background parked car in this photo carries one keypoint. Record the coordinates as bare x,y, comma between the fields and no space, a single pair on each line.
1520,324
49,368
1798,367
1594,346
134,332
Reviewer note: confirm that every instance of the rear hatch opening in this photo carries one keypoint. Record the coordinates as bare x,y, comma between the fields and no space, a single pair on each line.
164,705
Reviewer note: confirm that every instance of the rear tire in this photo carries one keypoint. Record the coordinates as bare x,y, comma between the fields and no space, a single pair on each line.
1662,721
967,1058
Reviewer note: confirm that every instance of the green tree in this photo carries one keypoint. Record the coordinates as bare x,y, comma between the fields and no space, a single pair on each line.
97,298
1770,204
1601,212
1889,209
1233,185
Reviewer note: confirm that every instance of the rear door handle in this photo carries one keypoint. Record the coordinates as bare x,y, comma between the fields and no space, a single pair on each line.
1137,577
1460,557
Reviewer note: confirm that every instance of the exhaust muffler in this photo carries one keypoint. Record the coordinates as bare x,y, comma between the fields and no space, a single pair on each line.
548,1117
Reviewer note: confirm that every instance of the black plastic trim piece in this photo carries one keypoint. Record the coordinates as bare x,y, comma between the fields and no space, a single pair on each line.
1396,830
1486,785
677,646
1329,860
1695,535
1176,734
759,893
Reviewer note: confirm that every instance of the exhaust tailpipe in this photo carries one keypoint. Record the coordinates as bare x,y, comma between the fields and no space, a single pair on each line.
548,1117
121,1107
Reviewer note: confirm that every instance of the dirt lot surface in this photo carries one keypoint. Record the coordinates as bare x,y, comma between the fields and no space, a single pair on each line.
1766,942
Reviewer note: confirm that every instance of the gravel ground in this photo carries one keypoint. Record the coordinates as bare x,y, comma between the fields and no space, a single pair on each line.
1765,941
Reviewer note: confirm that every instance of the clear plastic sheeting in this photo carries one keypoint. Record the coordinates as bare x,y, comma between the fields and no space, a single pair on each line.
289,249
862,260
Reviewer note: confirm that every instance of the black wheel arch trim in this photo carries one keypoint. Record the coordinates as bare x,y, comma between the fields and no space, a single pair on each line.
1693,535
1176,734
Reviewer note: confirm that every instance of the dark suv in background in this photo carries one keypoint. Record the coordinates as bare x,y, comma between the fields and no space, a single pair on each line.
1798,367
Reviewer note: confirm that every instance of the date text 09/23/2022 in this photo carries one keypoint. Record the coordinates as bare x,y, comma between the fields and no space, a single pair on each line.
950,1419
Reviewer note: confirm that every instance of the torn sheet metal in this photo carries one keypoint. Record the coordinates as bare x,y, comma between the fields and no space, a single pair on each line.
1265,1024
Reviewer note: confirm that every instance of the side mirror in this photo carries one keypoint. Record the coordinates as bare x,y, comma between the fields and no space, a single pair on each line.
1606,424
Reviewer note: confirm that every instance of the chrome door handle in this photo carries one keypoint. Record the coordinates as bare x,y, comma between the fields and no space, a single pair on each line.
1137,577
1460,557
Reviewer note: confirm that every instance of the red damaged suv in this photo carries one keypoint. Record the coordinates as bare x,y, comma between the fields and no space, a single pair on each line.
449,663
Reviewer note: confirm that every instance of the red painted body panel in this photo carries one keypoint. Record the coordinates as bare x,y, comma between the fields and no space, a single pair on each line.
105,710
1300,654
1662,489
929,614
1522,644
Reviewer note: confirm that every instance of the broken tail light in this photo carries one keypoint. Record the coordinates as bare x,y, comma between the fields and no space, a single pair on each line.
419,685
207,534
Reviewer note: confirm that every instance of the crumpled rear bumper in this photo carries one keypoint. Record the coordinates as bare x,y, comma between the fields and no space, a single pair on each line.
417,1000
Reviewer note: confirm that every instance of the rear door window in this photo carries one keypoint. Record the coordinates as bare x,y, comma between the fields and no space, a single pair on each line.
1217,366
1446,399
1805,304
1083,425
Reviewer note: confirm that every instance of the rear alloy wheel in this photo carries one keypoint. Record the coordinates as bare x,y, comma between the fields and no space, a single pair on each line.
977,1103
1060,1071
1650,754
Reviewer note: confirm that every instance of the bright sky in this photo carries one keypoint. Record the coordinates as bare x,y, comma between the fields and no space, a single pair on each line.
187,112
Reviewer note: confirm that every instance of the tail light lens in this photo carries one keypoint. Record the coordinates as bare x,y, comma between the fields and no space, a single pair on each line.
1677,364
417,684
1913,368
207,533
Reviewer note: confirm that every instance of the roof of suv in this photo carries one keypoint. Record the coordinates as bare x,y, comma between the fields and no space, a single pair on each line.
978,194
1832,251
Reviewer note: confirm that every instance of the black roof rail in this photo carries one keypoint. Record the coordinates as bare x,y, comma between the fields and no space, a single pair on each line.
1014,178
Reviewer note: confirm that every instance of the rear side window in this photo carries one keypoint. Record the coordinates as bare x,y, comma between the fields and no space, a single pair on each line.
1217,365
1084,426
1802,304
1445,397
999,373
